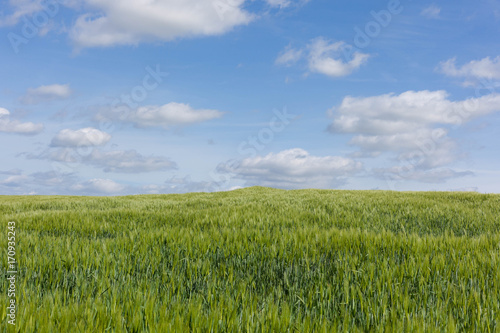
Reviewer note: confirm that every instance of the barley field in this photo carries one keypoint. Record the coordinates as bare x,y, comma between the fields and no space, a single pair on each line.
256,260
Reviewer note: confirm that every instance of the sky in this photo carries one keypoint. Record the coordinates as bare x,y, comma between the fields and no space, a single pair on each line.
104,97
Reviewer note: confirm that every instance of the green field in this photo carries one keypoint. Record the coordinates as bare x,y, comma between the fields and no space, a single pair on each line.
256,260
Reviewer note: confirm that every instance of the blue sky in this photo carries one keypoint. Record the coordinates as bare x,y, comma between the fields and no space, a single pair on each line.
100,97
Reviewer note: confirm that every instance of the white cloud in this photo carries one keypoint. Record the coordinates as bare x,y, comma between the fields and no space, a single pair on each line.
328,58
409,111
293,168
14,126
411,125
105,23
403,141
47,93
333,59
289,56
431,151
166,116
129,22
97,185
85,137
431,12
485,68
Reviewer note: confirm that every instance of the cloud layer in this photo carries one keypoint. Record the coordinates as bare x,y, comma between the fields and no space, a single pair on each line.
414,125
85,137
390,114
485,68
47,93
324,57
293,168
130,22
166,116
14,126
328,58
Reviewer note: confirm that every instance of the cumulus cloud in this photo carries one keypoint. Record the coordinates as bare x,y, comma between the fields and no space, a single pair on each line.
100,186
130,22
431,12
485,68
84,137
14,126
166,116
391,114
425,148
293,168
328,58
105,23
325,57
47,93
413,125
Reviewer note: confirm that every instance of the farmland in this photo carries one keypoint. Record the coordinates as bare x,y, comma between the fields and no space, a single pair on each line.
256,260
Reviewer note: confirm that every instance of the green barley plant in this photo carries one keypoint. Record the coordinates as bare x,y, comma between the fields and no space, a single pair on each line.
256,260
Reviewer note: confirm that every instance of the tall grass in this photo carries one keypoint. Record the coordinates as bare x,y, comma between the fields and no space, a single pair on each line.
257,260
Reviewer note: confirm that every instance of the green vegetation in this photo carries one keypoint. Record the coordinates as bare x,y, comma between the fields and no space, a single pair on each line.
256,260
